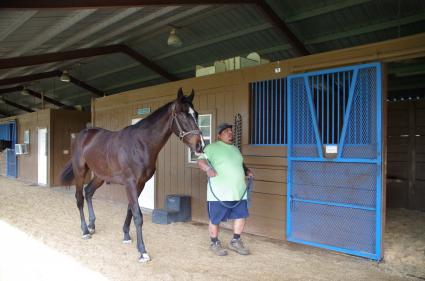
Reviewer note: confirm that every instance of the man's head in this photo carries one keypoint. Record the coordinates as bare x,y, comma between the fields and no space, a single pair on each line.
225,133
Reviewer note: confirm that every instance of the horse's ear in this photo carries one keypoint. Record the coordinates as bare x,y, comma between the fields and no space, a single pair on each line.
180,95
191,96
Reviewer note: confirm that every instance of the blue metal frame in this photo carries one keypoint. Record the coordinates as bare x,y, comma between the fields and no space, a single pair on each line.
376,255
9,132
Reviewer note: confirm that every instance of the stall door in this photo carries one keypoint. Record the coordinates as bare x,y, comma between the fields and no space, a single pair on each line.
8,133
334,160
147,197
42,156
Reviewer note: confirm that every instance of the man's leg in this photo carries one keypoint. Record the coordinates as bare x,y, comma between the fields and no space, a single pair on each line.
213,229
215,213
238,226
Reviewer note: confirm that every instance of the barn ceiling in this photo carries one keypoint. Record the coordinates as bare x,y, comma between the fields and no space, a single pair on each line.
112,46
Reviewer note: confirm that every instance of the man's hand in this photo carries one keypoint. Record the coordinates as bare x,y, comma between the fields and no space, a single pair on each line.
249,173
211,172
205,166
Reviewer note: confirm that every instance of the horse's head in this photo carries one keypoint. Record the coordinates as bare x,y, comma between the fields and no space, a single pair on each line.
185,121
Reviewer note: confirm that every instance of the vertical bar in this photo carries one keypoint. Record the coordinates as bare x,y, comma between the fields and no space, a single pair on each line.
266,113
313,118
289,154
322,108
338,109
347,112
282,122
284,113
255,112
379,183
272,112
251,97
333,108
262,110
327,109
276,114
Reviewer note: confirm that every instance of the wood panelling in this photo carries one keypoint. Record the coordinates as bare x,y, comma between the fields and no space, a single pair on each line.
406,155
59,124
63,124
226,94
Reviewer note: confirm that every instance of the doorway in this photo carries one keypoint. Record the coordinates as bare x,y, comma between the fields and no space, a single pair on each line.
42,156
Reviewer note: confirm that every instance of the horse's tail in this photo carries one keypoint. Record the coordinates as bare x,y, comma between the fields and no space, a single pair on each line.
67,175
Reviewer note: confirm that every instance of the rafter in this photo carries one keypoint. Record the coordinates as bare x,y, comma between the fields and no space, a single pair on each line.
281,25
339,5
82,53
366,29
55,73
10,90
47,99
21,107
29,78
49,4
95,92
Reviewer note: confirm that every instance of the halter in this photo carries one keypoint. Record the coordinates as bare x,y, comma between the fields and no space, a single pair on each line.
182,133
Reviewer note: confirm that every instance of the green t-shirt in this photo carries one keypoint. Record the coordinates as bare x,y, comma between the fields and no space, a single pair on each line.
229,184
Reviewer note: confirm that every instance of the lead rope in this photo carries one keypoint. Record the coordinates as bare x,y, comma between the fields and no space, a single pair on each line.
237,140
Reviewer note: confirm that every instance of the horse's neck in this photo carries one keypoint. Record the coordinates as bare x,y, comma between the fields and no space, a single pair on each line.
155,132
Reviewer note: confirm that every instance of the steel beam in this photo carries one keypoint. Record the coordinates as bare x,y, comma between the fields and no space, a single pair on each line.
24,108
281,25
47,99
54,4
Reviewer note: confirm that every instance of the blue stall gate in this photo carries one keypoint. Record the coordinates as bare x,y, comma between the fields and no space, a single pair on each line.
334,160
8,132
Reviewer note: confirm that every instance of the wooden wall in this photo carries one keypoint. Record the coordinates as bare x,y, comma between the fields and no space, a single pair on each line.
406,155
226,94
59,124
27,163
63,124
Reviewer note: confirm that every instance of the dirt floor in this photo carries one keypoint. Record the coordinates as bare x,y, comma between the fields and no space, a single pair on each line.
40,239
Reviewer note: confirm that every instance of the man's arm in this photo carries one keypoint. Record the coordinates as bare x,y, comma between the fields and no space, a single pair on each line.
248,171
205,166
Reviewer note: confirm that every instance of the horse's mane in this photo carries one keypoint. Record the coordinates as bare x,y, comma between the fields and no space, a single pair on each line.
153,116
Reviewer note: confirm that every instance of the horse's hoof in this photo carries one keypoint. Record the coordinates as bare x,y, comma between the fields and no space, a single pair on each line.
91,230
126,241
86,236
144,258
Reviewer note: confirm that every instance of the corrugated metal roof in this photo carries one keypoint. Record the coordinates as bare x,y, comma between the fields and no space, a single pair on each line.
209,33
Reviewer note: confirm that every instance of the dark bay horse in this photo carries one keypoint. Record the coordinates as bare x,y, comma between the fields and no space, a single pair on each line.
128,157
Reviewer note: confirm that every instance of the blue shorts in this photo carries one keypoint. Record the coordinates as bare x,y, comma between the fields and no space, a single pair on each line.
218,213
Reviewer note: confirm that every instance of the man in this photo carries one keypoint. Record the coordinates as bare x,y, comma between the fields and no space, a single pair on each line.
223,164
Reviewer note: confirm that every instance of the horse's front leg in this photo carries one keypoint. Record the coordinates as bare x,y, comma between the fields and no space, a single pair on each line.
126,226
133,195
89,190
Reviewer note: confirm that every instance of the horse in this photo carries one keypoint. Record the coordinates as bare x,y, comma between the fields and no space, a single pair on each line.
127,157
5,144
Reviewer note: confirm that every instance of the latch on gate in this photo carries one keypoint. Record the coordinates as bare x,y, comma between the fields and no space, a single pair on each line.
330,150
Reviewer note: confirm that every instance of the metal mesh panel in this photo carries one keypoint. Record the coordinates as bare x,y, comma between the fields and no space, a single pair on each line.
344,183
303,135
341,227
361,140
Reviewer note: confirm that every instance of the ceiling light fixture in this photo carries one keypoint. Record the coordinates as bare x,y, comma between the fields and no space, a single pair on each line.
25,92
65,76
173,39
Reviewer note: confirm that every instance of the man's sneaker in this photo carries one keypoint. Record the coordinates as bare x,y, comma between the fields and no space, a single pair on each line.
217,249
237,246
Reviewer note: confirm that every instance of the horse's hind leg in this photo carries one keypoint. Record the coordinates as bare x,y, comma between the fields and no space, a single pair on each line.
89,190
79,182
